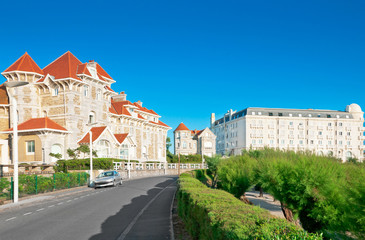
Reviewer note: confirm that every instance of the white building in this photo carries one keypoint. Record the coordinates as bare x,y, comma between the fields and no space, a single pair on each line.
324,132
188,141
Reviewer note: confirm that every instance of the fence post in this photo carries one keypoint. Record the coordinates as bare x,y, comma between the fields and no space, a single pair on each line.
79,179
36,184
85,177
54,181
11,188
68,177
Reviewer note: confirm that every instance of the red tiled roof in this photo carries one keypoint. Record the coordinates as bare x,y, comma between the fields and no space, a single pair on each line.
121,137
119,108
4,98
140,116
82,69
102,72
182,127
196,132
96,132
39,123
143,109
66,66
108,88
25,63
161,123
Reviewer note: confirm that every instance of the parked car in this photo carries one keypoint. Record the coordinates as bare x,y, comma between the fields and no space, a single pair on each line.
108,178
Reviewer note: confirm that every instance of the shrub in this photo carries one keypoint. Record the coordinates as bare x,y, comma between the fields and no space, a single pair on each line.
84,164
216,214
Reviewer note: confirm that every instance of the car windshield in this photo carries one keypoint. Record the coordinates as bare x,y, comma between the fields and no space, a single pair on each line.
106,174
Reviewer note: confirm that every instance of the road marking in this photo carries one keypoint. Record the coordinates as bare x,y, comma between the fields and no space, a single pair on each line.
40,209
60,203
82,196
88,195
25,214
76,198
10,219
124,234
69,200
51,206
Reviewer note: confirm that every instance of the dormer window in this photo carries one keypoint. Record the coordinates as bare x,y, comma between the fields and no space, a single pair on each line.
91,117
93,72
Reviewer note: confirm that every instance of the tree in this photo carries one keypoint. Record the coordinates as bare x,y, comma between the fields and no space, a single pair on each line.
56,155
72,153
213,163
168,143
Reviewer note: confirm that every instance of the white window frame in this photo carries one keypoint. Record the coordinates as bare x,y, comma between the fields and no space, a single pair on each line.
27,147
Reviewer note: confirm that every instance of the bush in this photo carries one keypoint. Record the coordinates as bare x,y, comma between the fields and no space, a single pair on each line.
171,158
216,214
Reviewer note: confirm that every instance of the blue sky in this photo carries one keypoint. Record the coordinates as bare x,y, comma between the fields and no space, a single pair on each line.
187,59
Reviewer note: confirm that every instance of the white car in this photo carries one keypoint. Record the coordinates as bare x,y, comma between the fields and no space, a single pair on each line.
108,178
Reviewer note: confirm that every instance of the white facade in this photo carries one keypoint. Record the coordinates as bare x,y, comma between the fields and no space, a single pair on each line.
324,132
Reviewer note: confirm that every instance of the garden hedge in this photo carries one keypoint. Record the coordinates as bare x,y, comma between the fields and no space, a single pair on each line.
216,214
84,164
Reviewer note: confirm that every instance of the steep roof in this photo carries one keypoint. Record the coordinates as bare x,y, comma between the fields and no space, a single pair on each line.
102,72
96,132
4,98
39,123
143,109
66,66
82,69
118,108
181,127
26,64
160,123
121,137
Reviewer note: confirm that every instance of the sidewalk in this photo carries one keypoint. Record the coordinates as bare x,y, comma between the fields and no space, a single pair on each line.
267,202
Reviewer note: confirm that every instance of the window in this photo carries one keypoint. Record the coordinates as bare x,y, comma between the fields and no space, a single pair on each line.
259,113
300,115
271,114
320,153
320,142
348,143
340,124
339,142
98,95
282,141
260,141
30,147
309,115
301,142
208,145
348,134
280,114
123,154
290,115
312,142
253,141
330,143
320,133
86,91
328,116
348,155
253,113
55,92
91,117
347,116
291,123
340,133
56,149
103,149
271,142
291,142
319,115
329,124
184,145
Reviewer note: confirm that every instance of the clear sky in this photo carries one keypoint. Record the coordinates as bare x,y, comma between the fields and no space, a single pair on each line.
187,59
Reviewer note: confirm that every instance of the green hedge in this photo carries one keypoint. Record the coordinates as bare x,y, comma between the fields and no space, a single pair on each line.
171,158
84,164
215,214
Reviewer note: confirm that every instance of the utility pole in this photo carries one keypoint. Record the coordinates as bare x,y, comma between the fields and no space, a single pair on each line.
178,167
91,156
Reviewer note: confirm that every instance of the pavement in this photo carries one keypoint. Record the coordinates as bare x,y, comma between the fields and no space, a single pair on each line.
267,202
139,209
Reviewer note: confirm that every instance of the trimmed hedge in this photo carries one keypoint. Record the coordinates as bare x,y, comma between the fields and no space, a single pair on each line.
216,214
84,164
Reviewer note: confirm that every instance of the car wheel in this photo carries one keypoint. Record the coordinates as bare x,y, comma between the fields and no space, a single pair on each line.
121,182
114,184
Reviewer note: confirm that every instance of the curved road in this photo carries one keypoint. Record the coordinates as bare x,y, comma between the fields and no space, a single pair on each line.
139,209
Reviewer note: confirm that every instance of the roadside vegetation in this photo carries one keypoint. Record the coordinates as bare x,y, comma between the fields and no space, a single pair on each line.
216,214
319,193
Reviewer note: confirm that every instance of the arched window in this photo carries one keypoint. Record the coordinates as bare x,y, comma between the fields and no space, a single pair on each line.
44,113
320,153
330,153
124,151
56,149
184,145
91,117
144,150
348,155
103,149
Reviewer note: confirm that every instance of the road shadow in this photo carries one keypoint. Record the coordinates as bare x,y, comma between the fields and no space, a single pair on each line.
113,226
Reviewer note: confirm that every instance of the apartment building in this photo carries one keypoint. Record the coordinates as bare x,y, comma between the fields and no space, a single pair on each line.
66,101
324,132
188,141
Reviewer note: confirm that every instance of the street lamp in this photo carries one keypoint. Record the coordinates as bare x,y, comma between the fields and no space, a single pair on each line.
91,156
129,163
15,136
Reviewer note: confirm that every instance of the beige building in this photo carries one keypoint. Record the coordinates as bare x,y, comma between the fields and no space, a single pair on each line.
324,132
66,100
194,141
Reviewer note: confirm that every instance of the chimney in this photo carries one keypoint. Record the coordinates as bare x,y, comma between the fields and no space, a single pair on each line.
139,103
120,97
92,64
212,119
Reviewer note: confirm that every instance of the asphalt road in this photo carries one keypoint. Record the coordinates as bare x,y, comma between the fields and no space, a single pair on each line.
139,209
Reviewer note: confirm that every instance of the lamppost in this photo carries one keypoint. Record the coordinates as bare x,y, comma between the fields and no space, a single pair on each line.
129,163
91,156
15,136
